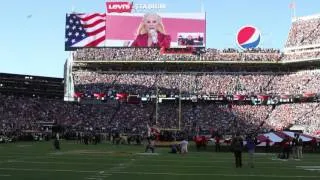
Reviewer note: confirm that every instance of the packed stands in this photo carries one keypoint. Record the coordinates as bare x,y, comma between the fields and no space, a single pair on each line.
151,54
303,43
198,83
302,55
147,54
25,114
304,31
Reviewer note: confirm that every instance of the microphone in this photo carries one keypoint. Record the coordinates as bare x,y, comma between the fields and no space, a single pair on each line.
154,36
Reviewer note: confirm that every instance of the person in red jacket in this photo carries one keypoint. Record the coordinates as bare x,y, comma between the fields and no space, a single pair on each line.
285,148
199,141
151,33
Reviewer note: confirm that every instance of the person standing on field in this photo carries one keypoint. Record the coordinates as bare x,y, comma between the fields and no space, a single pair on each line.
236,147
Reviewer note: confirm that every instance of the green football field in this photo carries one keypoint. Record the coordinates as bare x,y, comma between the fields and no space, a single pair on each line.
38,160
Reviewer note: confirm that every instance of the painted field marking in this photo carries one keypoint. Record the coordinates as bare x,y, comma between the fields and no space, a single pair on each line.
148,154
318,167
48,170
309,168
165,173
102,176
214,174
116,168
5,175
123,166
23,146
312,169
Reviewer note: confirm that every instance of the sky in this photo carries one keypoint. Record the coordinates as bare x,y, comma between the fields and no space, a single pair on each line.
32,31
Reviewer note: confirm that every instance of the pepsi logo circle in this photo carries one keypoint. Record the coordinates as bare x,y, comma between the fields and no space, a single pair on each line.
248,37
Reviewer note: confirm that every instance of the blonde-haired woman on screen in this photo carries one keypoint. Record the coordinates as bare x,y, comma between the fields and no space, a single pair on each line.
151,33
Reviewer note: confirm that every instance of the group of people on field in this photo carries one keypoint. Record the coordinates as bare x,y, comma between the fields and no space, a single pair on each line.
288,146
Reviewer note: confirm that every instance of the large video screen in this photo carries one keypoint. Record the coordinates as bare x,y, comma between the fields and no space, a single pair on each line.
155,30
169,30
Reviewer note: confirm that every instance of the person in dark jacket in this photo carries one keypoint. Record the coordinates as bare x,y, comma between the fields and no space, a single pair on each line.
251,145
268,141
236,147
217,143
56,144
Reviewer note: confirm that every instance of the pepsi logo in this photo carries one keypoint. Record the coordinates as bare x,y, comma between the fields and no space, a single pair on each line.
248,37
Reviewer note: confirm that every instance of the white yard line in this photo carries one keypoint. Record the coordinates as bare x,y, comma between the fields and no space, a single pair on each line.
164,173
312,169
214,174
317,167
48,170
187,159
102,176
144,165
116,168
5,175
309,168
155,160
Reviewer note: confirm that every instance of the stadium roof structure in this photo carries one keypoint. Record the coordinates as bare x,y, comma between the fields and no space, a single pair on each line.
30,85
304,18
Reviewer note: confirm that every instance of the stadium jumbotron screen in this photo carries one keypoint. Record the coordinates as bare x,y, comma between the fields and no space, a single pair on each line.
169,30
165,30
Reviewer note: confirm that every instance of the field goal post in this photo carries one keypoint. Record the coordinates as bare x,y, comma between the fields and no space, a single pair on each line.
179,114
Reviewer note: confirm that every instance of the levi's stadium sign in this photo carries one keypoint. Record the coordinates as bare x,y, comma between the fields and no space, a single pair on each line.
128,6
150,6
119,7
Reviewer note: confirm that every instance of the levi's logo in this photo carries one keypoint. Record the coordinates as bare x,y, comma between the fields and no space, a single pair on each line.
119,7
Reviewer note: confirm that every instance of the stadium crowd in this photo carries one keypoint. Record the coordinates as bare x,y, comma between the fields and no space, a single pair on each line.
198,83
304,32
30,114
303,55
152,54
305,114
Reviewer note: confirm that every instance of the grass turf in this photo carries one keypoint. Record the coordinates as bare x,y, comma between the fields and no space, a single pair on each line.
38,160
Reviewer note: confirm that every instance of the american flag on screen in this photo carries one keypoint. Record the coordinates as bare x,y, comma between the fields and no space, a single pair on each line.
85,30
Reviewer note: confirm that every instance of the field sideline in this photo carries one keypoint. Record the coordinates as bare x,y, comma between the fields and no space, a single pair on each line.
38,160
